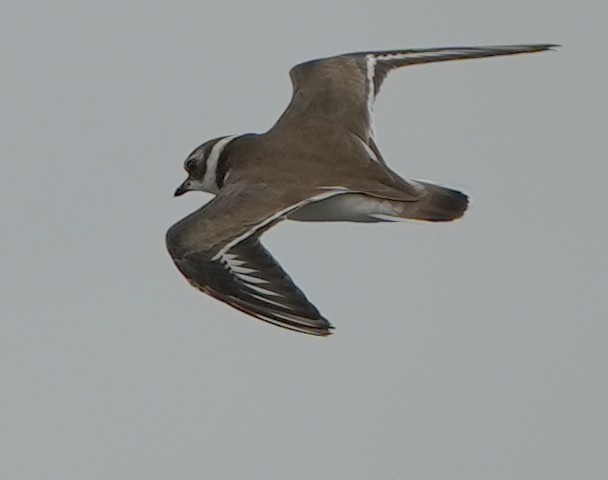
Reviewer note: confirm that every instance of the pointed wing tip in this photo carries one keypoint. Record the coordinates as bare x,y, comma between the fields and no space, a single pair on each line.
319,327
524,48
542,46
511,49
323,332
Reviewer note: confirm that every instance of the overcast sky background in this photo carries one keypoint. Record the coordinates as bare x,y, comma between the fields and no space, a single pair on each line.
469,350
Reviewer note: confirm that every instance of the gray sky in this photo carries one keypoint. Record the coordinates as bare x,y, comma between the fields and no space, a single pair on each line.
462,351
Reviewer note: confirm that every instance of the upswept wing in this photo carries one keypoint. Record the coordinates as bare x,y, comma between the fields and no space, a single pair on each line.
217,249
342,89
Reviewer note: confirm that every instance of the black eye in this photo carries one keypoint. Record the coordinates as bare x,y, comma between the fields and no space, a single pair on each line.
190,164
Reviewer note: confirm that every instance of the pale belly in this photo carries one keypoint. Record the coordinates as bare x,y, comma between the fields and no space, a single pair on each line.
349,207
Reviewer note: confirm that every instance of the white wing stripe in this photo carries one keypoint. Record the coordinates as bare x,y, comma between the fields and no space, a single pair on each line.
271,302
371,73
459,52
233,260
263,291
249,279
271,219
242,270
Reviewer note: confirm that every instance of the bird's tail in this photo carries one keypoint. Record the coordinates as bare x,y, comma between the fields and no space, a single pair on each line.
441,204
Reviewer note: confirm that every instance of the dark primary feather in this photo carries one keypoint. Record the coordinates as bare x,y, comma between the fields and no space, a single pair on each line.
264,291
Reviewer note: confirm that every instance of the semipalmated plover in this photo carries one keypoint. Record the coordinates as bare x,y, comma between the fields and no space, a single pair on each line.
319,162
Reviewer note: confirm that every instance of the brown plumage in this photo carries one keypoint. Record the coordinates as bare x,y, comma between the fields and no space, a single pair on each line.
319,162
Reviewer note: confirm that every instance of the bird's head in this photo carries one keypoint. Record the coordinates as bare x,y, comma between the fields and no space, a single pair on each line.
206,167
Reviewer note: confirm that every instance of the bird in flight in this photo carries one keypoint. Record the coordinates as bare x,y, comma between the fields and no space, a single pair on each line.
319,162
